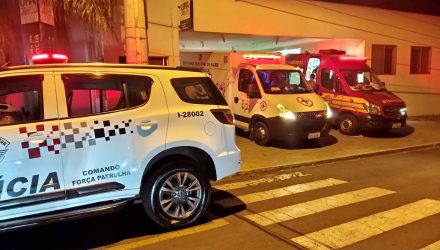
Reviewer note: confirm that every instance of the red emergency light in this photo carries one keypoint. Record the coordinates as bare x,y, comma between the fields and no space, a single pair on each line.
261,56
49,58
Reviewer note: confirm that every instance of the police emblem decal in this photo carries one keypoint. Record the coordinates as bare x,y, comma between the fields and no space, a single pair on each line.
3,148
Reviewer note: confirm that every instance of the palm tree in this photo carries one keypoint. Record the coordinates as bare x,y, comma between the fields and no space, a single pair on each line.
98,14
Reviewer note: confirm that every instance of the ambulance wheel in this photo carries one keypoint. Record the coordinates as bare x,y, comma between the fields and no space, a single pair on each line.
176,194
348,124
261,133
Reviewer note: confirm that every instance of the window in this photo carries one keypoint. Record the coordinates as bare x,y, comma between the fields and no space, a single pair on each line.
420,60
198,90
21,99
244,80
326,78
383,59
283,82
93,94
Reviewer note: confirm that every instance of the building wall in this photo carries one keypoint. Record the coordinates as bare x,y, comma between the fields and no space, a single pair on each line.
315,19
163,29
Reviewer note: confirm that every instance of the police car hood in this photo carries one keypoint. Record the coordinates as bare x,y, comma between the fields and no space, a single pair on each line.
307,102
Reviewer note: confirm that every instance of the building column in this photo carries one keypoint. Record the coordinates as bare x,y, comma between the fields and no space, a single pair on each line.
135,32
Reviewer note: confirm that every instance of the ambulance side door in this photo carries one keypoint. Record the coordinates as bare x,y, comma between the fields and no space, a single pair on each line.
31,176
329,87
242,104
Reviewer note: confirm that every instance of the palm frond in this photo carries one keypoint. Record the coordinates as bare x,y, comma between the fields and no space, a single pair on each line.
97,13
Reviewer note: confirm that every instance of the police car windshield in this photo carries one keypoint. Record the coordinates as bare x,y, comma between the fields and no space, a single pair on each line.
283,82
362,80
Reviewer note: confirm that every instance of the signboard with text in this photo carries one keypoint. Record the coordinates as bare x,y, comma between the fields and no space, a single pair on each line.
186,22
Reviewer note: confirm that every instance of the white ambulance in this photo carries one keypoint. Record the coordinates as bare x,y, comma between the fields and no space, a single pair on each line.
269,99
76,139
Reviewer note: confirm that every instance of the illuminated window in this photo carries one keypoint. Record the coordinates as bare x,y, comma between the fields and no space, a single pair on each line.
93,94
420,60
21,99
383,59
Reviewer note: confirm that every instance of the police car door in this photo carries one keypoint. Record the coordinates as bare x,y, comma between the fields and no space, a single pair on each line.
100,119
31,177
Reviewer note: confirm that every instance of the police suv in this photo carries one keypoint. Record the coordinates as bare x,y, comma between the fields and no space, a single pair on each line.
76,139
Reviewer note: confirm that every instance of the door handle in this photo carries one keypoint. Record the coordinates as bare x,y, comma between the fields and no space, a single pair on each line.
236,99
37,138
147,125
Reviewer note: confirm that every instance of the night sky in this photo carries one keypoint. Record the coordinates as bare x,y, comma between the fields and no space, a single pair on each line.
431,7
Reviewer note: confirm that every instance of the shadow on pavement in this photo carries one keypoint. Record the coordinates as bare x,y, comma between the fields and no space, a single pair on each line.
305,144
98,231
398,133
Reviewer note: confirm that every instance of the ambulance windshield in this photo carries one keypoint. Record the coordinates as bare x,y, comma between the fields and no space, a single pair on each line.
283,82
362,80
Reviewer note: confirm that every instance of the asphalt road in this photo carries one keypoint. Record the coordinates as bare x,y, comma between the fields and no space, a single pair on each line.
379,202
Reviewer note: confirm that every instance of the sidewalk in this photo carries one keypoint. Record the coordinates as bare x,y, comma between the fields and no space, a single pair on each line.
418,134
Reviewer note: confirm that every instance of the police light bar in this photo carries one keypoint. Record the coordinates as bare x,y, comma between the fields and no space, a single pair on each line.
261,56
352,58
49,58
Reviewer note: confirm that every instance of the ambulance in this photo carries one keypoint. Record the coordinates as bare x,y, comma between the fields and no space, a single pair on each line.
269,99
359,98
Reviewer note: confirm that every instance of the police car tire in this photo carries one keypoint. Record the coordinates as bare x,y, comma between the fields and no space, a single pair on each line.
151,194
260,125
346,119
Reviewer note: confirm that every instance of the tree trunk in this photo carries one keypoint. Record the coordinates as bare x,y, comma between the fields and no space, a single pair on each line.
135,32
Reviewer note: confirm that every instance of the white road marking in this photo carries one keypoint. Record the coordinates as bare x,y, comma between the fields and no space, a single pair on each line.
249,183
172,235
279,192
351,232
433,246
315,206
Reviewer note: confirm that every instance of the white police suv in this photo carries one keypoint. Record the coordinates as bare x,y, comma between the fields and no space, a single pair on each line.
76,139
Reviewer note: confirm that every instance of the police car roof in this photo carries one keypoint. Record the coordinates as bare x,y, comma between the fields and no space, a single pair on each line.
96,65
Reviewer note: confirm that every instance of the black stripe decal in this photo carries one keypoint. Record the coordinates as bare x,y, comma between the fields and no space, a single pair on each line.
61,195
242,118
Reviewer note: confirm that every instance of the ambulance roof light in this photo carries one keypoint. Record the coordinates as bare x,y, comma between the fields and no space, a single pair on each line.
352,58
261,56
49,58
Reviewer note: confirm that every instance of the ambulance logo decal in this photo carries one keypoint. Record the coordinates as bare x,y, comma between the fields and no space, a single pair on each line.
71,136
3,148
304,101
263,106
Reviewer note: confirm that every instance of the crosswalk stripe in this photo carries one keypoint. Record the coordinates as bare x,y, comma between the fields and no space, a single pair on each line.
279,192
172,235
243,184
315,206
433,246
351,232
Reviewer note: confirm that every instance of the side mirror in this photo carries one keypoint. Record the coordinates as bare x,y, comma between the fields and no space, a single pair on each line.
253,91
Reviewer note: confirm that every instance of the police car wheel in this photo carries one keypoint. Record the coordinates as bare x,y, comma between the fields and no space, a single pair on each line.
261,133
176,195
348,124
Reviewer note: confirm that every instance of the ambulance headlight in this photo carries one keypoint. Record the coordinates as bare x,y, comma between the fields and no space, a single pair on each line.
403,111
329,112
285,113
372,109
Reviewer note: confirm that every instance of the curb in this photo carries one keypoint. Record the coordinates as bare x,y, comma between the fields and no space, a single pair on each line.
342,158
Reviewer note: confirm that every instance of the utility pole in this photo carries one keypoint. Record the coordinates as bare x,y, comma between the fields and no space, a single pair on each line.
135,32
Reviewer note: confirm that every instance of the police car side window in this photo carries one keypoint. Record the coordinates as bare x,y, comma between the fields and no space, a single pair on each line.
88,94
21,99
197,90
